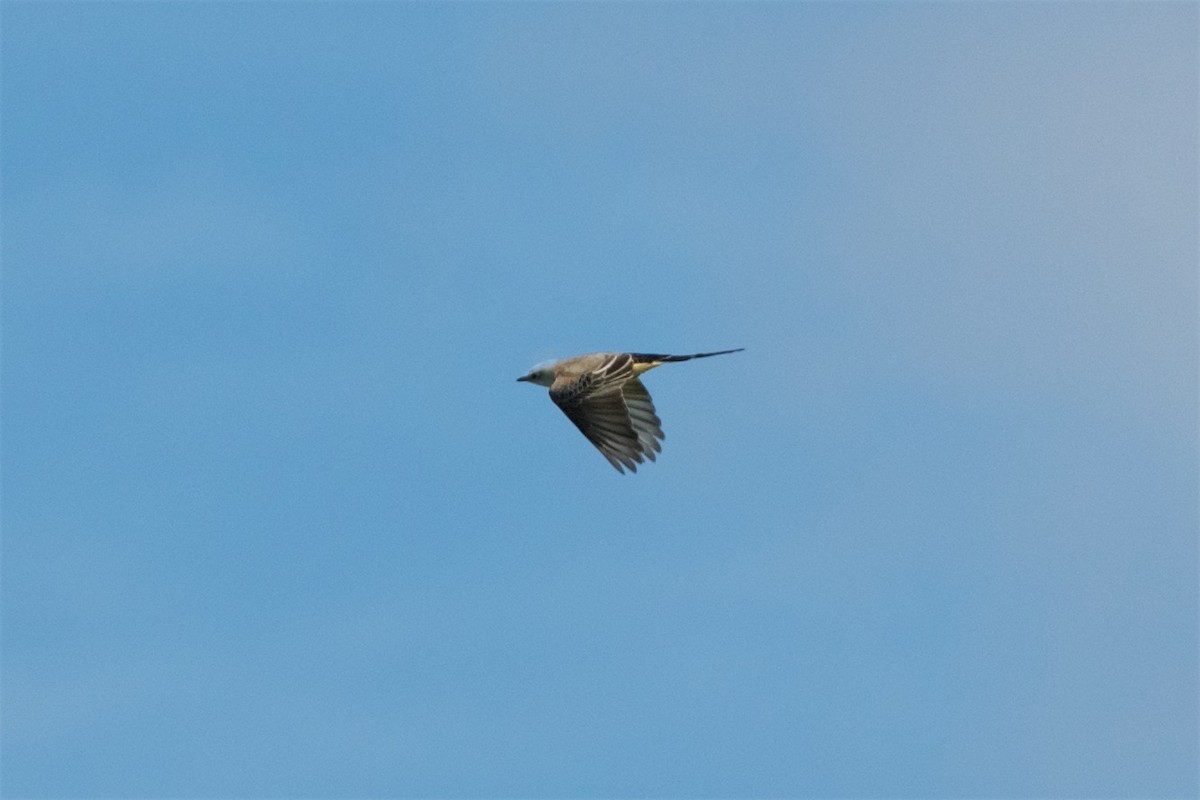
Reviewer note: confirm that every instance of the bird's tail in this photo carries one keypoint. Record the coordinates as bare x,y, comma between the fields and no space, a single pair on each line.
659,358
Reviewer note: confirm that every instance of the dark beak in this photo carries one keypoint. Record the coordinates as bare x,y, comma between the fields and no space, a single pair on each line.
522,378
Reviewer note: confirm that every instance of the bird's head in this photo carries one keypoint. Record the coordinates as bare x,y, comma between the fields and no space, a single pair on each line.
542,375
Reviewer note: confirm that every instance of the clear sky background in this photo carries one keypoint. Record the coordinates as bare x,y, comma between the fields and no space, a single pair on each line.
277,520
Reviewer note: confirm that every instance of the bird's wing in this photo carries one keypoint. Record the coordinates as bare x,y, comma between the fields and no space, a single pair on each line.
613,410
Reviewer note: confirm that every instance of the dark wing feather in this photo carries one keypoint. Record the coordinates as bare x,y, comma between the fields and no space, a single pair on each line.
643,417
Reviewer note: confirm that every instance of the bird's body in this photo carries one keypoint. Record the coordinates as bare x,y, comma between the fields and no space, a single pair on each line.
602,395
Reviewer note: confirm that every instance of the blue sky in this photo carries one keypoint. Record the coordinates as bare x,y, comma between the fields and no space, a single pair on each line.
278,522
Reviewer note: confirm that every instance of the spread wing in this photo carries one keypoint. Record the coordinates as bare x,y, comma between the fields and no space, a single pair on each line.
613,410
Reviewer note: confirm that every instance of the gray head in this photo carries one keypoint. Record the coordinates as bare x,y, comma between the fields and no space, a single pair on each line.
542,375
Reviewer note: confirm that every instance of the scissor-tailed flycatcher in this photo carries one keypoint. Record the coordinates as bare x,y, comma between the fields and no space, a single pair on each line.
601,394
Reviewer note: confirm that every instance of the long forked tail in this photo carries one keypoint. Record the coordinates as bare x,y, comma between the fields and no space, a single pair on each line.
658,358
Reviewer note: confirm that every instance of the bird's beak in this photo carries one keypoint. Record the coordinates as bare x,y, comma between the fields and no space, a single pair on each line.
522,378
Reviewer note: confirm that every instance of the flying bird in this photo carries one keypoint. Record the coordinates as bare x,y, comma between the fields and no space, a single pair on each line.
602,395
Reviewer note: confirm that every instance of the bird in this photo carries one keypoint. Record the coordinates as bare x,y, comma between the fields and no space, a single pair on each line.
602,394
